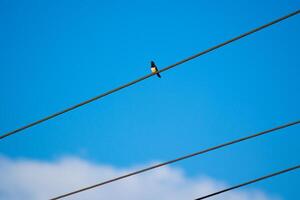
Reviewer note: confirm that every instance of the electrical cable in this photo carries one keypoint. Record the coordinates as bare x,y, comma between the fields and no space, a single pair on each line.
147,76
178,159
250,182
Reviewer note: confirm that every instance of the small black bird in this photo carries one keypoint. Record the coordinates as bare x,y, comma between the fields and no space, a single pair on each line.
154,69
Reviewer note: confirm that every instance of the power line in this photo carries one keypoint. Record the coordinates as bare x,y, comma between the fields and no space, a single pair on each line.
147,76
250,182
178,159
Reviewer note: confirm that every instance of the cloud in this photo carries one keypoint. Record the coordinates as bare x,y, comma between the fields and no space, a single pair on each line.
36,180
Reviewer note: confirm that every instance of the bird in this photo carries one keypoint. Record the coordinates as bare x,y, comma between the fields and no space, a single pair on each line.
154,69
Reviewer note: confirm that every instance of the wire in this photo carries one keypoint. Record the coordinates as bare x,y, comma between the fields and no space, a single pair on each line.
250,182
147,76
178,159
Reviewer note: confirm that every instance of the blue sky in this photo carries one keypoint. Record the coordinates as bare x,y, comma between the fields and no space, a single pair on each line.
55,54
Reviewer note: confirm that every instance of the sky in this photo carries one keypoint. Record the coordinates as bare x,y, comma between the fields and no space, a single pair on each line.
54,54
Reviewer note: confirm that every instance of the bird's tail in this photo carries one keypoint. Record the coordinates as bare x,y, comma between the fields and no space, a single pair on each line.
159,76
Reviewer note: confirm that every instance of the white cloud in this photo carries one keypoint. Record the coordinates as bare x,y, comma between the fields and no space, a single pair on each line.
36,180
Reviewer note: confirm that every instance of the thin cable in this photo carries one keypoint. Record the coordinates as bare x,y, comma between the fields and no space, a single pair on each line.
250,182
147,76
178,159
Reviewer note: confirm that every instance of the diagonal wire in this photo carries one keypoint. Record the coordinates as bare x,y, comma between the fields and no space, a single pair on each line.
250,182
147,76
178,159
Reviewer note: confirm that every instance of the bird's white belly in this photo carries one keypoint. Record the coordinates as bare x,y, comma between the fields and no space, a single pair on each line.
153,70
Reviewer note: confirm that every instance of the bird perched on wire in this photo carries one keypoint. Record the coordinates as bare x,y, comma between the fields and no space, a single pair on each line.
154,69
